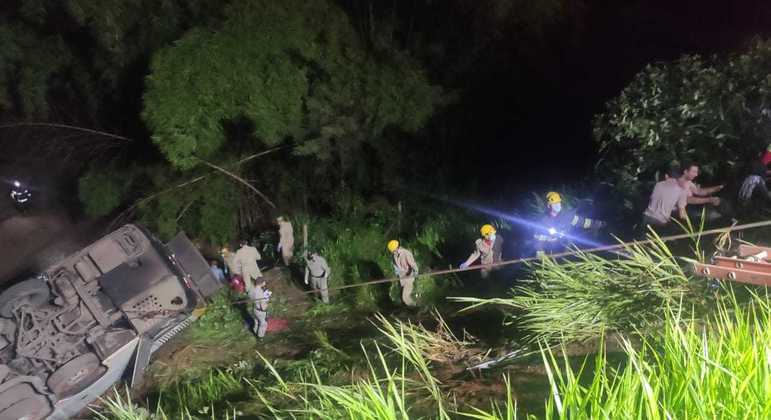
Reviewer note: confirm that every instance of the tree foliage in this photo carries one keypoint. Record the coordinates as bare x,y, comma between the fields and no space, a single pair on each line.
295,70
711,110
101,192
74,60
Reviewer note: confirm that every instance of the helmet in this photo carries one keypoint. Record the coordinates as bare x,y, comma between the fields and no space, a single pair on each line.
486,230
553,197
392,245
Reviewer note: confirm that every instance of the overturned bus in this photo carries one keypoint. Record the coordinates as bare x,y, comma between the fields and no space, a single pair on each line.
95,318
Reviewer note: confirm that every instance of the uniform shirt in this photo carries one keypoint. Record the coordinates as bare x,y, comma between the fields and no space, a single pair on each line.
286,235
317,266
257,295
562,223
666,197
246,263
404,263
230,262
691,189
489,251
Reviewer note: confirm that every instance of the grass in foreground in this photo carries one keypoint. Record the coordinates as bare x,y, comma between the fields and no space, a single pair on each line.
578,299
720,369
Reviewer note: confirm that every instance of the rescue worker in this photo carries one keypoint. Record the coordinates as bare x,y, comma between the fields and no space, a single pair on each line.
20,195
405,269
701,197
668,195
229,259
488,248
754,186
285,240
246,264
558,223
319,272
260,296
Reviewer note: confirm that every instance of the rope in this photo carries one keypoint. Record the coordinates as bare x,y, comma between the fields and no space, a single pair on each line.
620,245
724,231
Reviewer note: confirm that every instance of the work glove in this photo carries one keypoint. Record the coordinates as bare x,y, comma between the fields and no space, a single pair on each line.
540,254
397,272
464,264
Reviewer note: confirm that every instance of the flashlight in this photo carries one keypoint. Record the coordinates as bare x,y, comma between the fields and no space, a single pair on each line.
16,184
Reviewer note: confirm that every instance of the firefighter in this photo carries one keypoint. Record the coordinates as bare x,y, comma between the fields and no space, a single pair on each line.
20,195
558,223
246,263
488,248
405,269
285,240
260,296
317,268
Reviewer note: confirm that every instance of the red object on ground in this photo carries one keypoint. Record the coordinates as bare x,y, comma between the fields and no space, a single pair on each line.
277,324
766,157
237,284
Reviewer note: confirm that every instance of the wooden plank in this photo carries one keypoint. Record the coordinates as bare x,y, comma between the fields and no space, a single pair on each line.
732,274
735,263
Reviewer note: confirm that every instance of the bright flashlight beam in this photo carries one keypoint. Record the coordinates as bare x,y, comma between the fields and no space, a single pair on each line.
528,223
515,219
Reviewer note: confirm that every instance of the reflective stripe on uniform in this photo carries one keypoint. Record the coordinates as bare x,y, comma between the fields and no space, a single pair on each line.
575,220
587,223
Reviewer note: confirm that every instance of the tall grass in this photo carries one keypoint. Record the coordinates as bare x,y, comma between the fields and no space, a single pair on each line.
578,299
120,407
718,369
388,391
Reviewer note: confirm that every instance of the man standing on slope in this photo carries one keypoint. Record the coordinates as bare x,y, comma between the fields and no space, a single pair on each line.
558,224
405,268
285,240
246,263
488,248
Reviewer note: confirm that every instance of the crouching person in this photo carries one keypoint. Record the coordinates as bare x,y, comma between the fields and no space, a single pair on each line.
260,296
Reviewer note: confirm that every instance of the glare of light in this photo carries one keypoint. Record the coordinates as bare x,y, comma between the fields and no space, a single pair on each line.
16,184
578,239
552,231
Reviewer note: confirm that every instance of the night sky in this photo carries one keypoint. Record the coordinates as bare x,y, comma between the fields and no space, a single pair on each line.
525,105
546,129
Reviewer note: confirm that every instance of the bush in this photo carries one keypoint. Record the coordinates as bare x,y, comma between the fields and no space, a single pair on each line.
580,298
711,110
100,192
690,370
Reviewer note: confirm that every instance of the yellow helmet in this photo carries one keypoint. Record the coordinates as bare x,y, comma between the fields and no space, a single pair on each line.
553,197
392,245
486,230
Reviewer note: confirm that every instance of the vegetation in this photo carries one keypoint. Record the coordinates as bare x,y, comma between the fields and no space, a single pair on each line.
687,368
580,298
690,369
695,108
353,242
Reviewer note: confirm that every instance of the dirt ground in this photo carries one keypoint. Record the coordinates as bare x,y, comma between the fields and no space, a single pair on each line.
180,354
45,233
